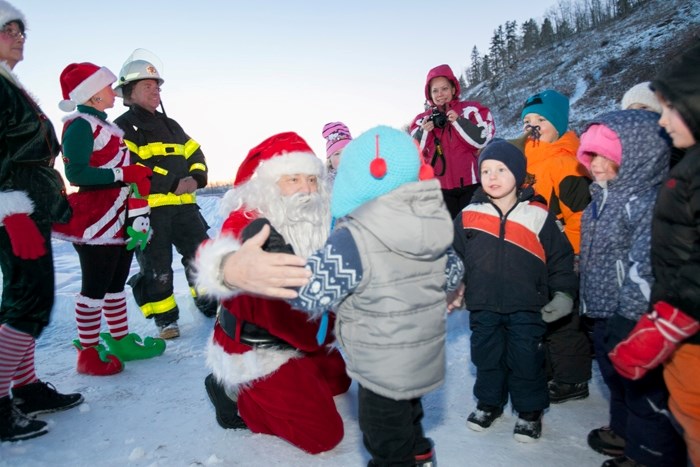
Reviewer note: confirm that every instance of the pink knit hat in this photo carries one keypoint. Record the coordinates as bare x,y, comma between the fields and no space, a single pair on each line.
337,137
599,139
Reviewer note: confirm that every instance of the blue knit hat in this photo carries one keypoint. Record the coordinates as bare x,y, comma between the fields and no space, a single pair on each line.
362,176
513,158
551,105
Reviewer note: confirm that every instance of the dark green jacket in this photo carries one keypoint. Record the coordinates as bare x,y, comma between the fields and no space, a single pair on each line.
28,148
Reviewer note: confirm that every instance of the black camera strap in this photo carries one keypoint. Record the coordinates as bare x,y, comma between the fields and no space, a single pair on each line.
438,154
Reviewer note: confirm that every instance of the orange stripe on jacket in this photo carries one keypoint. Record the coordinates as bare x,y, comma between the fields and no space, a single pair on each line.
516,233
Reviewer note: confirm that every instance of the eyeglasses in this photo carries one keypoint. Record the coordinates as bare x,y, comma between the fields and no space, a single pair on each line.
14,34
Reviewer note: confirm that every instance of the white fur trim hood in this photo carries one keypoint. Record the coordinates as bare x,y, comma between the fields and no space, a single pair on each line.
14,202
207,266
240,369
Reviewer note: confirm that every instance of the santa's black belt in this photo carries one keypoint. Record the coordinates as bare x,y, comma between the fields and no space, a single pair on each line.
251,335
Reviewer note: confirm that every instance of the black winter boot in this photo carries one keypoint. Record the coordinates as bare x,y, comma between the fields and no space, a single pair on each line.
562,392
39,397
225,407
528,427
605,441
207,305
483,417
16,426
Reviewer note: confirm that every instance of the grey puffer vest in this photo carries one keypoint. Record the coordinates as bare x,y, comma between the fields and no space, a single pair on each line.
392,328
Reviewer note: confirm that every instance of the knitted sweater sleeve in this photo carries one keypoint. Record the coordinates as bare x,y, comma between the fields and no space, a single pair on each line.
336,272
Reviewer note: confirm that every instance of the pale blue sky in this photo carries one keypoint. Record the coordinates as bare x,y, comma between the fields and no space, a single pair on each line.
237,72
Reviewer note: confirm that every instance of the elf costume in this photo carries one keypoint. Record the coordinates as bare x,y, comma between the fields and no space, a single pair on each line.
97,162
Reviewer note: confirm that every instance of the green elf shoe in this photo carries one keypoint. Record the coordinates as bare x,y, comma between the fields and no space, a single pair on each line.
131,347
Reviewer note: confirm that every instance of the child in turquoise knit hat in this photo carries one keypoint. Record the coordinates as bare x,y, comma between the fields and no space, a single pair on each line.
555,174
385,271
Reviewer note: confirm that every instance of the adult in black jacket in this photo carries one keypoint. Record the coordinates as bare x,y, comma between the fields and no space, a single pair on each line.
179,169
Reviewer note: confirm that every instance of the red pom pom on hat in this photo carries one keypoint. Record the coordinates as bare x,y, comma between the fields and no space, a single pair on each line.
378,165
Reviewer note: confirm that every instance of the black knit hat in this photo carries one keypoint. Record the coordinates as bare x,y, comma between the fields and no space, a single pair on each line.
513,158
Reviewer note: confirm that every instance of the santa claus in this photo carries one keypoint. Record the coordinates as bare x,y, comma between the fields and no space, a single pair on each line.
269,372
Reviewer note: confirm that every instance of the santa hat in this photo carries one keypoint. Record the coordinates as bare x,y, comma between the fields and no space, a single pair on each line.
280,154
552,105
641,94
81,81
375,163
337,137
8,13
601,140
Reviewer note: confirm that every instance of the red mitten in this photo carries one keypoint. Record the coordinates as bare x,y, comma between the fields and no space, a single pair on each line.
652,341
138,175
26,240
135,173
143,187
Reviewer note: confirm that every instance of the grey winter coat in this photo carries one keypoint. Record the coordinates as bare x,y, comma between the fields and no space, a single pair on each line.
615,267
392,328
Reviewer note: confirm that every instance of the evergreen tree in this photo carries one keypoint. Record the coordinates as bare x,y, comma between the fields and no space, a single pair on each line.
530,34
497,51
486,73
474,74
564,30
462,83
511,42
547,32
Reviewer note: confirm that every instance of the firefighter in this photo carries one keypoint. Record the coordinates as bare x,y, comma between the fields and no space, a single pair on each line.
179,169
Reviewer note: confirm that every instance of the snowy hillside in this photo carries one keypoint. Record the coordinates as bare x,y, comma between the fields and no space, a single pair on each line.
156,412
594,68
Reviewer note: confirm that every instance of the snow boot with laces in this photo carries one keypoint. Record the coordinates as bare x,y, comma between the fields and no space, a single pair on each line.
15,425
40,397
169,331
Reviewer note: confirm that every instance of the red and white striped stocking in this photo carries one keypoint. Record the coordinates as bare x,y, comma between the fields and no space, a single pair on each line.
115,313
13,347
88,316
26,372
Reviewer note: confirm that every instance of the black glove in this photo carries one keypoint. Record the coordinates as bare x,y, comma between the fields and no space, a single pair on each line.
275,242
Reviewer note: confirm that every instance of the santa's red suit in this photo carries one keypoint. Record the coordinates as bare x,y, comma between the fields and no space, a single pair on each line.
284,388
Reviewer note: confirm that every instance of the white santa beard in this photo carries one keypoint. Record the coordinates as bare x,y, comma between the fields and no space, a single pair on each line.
303,220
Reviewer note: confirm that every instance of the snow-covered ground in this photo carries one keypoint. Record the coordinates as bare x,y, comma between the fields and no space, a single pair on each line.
156,412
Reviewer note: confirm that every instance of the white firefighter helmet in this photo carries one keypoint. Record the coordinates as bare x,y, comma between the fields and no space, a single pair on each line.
140,65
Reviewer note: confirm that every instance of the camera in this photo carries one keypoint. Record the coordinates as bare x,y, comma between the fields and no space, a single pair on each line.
438,118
